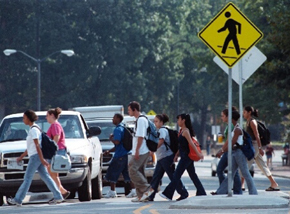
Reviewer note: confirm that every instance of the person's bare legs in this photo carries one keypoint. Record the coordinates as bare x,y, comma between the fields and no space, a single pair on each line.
243,182
56,179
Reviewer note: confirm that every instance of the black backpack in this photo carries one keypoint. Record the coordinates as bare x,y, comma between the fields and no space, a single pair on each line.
173,136
48,146
128,137
264,133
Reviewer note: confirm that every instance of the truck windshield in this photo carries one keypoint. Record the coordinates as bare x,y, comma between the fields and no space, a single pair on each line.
14,129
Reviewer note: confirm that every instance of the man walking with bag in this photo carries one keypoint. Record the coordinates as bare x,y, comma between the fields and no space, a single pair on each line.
140,152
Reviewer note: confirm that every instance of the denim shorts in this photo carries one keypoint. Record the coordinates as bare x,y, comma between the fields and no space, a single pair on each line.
58,152
116,167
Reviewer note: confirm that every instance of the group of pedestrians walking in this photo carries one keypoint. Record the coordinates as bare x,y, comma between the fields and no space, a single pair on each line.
145,191
36,160
132,163
239,163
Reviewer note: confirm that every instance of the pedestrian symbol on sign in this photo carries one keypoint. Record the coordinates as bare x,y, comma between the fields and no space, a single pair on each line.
230,35
230,25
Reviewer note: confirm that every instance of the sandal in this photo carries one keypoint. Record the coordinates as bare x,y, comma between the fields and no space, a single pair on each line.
272,189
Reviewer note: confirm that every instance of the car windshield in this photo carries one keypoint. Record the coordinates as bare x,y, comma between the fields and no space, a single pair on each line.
13,129
106,128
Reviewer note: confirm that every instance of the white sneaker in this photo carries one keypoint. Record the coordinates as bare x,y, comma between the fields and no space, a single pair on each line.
55,201
136,199
164,196
110,194
132,194
145,196
11,201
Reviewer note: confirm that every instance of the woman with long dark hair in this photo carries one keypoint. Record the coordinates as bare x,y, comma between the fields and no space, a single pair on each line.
252,128
185,163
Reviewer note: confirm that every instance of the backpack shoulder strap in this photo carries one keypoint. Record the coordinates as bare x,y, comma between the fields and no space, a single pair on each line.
165,143
142,115
37,128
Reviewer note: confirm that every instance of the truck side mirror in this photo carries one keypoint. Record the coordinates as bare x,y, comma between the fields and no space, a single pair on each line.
94,131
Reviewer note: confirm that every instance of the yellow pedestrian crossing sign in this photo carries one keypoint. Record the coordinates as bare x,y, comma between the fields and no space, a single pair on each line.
230,34
151,112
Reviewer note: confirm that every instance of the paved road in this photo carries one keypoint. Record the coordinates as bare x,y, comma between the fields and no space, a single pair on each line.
159,206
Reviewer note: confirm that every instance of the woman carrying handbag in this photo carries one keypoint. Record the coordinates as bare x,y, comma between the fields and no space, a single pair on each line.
36,162
185,163
56,133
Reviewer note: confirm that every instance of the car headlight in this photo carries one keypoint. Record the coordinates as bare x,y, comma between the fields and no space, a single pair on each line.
78,159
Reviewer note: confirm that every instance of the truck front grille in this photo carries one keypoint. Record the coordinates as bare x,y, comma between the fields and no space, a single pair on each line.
6,156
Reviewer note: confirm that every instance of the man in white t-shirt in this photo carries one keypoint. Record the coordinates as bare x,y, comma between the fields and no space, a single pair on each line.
140,152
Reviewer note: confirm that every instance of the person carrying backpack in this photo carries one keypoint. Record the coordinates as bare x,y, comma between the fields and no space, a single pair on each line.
165,160
119,163
252,128
140,152
185,163
36,163
238,159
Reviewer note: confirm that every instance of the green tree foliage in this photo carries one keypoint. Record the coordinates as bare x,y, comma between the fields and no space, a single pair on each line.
127,50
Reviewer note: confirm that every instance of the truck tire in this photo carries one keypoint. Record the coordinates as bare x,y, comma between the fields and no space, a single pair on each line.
85,190
97,186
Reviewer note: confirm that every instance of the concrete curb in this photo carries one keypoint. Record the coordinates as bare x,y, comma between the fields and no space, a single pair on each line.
235,202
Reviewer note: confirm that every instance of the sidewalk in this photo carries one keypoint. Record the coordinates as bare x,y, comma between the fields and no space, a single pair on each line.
264,200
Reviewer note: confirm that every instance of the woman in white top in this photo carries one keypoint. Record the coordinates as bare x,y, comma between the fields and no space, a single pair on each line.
238,159
36,162
165,161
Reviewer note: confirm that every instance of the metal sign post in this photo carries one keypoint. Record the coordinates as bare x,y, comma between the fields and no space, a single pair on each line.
230,178
240,63
230,35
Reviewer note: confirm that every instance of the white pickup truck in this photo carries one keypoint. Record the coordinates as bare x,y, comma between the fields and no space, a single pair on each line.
85,176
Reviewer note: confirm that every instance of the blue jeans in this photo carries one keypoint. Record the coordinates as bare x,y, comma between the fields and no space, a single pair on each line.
33,165
116,167
162,166
223,163
239,161
185,163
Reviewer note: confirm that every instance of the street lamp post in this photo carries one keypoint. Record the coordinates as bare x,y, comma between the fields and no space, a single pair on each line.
8,52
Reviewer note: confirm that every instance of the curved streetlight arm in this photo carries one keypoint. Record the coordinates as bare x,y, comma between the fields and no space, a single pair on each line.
66,52
34,59
44,58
